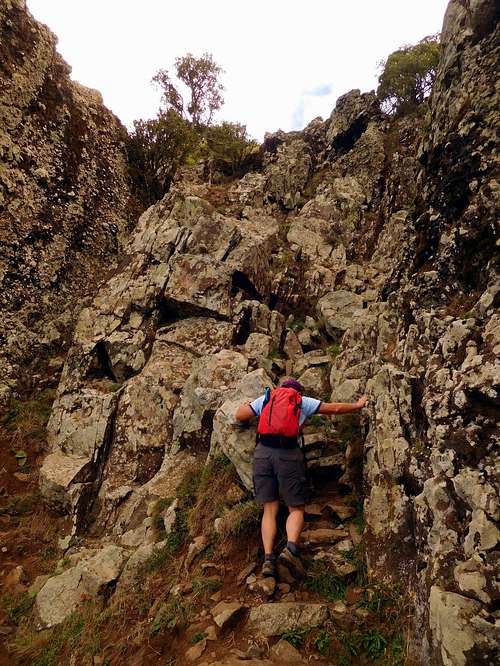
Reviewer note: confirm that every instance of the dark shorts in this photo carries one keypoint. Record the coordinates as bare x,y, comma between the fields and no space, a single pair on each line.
279,471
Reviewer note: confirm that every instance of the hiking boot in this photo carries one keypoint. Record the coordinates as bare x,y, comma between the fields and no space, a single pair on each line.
293,563
269,569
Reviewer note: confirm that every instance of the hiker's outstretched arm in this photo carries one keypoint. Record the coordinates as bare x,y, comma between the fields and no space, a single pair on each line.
244,413
342,407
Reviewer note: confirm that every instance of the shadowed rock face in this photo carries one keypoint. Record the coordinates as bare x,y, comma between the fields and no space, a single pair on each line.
385,233
63,197
431,353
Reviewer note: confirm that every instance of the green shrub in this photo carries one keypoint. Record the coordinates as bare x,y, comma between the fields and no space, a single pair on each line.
318,420
380,596
358,559
229,147
197,638
156,149
335,349
201,77
408,75
174,541
19,505
27,419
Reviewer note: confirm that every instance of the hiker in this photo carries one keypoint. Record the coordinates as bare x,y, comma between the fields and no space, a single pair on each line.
279,465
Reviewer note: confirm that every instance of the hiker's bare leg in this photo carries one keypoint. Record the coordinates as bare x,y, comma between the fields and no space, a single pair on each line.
269,527
295,523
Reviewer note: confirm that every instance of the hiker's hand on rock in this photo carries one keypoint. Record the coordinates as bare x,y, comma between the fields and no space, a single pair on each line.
362,402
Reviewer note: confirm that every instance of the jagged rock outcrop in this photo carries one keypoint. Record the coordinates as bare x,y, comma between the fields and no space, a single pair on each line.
63,198
383,229
160,325
431,357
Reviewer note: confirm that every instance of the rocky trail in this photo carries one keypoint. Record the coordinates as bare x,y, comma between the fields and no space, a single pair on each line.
359,255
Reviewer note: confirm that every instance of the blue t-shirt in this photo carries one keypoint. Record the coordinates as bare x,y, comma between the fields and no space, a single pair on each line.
309,407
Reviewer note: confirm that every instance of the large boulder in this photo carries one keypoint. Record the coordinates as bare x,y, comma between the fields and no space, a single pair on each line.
212,379
460,633
337,310
61,595
237,440
277,618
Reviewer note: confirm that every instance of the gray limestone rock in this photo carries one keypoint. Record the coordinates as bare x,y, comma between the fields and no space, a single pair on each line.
226,614
235,440
62,594
274,619
337,309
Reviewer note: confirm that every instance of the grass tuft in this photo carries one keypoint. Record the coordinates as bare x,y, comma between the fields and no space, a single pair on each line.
324,581
175,613
241,520
17,606
294,636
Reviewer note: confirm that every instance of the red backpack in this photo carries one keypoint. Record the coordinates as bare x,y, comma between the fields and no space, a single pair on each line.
280,415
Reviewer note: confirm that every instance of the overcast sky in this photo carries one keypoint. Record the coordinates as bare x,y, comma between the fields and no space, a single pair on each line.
285,61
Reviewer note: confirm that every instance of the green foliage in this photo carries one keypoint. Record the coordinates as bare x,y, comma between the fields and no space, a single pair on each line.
157,516
276,353
187,490
17,606
359,518
348,430
197,638
228,146
219,465
175,613
187,493
374,644
156,149
322,642
408,75
201,78
335,349
324,581
396,652
296,324
161,556
294,636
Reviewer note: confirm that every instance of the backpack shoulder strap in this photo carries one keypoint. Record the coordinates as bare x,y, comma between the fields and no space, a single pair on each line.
267,396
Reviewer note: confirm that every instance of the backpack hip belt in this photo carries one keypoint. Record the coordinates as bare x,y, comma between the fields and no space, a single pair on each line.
277,441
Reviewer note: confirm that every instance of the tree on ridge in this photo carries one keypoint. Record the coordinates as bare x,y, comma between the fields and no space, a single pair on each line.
201,77
408,75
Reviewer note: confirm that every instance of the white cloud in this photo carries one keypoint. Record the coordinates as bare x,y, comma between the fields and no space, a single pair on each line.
285,60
